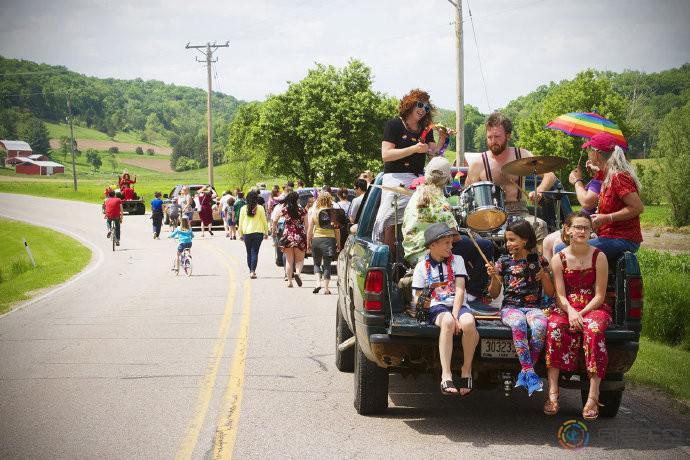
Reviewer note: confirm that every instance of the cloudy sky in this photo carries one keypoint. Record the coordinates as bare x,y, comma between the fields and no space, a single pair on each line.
407,44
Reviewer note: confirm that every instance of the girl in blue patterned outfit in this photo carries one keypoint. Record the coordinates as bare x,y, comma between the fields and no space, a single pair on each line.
525,280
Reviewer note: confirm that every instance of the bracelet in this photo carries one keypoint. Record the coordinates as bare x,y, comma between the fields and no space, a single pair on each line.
611,217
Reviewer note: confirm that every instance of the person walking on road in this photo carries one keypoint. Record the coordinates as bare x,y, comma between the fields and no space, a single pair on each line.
157,215
321,241
253,229
293,243
206,200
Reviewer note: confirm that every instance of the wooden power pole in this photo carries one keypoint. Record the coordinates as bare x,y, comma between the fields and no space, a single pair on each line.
208,50
71,136
459,86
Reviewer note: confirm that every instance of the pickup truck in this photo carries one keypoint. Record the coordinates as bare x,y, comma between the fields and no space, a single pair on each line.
375,336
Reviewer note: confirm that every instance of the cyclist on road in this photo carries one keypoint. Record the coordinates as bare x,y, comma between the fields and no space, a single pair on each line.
184,236
113,213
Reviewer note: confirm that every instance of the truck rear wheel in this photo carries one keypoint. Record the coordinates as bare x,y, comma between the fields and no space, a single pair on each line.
344,360
371,385
611,401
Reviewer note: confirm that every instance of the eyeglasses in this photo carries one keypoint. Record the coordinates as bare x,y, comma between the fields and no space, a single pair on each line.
581,228
424,105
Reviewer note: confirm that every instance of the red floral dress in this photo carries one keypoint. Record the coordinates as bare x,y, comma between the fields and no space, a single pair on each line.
562,342
294,233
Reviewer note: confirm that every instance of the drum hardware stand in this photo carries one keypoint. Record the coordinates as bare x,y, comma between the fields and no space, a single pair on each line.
559,188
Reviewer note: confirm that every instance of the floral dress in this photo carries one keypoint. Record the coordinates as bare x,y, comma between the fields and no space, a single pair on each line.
522,301
294,234
564,343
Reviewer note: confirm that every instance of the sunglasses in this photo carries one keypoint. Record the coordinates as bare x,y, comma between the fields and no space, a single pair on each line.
423,105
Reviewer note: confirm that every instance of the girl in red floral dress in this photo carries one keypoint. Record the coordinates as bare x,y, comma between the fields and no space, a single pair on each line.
581,315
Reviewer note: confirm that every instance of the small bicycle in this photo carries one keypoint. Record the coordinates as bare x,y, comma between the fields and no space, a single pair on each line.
185,262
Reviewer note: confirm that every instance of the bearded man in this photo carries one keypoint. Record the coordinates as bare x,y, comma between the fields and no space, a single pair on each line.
498,131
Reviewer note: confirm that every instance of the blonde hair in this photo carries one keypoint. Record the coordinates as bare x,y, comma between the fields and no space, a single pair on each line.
618,164
324,201
184,224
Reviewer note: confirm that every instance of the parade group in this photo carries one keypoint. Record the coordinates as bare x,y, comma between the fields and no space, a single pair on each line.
551,287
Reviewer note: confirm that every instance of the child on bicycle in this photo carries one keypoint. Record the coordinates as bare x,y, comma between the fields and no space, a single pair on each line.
184,236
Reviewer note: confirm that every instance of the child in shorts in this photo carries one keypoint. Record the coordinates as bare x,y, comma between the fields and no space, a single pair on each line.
443,275
184,236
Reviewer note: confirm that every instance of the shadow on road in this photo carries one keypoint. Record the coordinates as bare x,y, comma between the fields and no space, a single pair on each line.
519,420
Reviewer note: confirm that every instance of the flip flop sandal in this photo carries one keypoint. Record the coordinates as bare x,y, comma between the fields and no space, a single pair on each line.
465,382
551,407
297,279
447,385
316,290
594,411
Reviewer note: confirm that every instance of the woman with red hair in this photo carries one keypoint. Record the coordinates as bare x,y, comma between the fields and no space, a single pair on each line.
407,141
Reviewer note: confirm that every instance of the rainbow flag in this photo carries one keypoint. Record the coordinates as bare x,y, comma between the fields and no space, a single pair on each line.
587,124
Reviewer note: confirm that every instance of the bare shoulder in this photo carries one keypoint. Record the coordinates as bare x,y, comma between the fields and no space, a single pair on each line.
525,153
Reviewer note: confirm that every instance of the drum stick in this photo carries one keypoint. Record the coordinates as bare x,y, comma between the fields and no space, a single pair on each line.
469,233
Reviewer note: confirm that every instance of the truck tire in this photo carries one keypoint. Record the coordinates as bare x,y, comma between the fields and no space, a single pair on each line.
344,360
371,385
141,209
611,401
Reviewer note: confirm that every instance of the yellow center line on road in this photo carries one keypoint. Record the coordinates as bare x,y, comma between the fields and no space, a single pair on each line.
186,449
228,419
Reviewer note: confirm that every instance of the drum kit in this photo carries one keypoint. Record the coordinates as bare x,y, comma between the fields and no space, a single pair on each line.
482,204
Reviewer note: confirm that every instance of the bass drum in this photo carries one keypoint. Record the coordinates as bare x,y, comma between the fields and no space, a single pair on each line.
482,206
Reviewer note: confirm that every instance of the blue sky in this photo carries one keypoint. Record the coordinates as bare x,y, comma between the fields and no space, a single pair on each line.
522,43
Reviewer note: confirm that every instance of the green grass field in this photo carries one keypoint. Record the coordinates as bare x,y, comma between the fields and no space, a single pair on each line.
58,258
57,130
663,367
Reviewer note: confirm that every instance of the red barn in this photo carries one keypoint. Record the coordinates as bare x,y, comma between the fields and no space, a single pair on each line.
39,168
15,149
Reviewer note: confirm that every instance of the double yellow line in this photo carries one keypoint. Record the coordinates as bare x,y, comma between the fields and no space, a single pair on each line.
228,418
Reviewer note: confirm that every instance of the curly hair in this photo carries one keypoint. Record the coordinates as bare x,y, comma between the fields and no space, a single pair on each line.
409,101
498,119
324,201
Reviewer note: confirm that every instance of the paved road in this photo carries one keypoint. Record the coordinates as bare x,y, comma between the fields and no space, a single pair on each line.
131,362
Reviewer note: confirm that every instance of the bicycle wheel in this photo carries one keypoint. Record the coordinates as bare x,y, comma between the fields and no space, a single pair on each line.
188,266
113,239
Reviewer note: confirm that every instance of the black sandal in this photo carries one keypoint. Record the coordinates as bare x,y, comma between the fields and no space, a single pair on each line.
316,290
297,279
447,385
465,382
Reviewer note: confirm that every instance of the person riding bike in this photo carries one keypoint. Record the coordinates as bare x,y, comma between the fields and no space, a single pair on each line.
113,212
184,236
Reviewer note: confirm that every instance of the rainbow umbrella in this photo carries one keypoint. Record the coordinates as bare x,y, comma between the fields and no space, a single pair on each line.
587,124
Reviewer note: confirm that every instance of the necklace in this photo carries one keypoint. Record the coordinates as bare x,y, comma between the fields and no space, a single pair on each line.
405,125
580,260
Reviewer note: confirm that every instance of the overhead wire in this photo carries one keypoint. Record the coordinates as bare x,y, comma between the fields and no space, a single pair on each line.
479,57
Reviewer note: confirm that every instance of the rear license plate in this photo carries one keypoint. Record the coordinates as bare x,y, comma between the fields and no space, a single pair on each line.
498,348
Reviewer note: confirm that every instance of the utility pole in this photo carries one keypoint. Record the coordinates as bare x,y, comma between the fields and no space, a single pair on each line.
208,54
71,135
459,86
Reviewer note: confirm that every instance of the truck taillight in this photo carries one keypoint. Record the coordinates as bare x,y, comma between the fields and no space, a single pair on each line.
373,289
636,295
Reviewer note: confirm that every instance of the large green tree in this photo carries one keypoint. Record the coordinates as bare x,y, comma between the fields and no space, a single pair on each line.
32,130
327,127
673,148
243,158
586,93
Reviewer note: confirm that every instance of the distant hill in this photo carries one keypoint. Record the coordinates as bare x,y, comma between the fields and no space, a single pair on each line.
160,113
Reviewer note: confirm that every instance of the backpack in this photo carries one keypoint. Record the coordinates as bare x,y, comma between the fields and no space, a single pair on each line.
174,210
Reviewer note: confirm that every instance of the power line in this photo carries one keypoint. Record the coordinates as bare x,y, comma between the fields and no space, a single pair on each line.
479,58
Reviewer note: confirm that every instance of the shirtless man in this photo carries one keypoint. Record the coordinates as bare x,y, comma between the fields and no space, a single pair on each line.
498,131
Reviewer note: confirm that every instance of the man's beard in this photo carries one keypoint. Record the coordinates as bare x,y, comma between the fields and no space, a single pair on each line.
497,149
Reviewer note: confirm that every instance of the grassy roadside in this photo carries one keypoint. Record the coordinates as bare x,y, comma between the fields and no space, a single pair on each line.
664,367
58,258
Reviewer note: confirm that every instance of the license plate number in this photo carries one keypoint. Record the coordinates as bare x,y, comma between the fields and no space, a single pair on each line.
498,348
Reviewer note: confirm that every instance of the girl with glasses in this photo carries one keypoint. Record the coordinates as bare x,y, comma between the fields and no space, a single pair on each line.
580,316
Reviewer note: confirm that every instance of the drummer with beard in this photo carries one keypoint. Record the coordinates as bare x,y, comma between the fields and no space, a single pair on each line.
498,132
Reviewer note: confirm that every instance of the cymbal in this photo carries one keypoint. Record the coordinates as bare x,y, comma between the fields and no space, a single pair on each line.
529,165
399,190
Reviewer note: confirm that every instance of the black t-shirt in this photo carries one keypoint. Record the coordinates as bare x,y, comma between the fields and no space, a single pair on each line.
396,133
